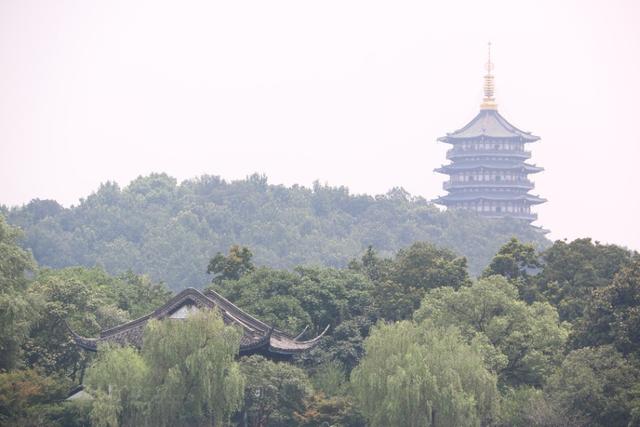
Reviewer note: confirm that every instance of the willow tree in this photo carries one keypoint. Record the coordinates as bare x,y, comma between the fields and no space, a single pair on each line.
418,376
185,375
193,375
16,310
117,380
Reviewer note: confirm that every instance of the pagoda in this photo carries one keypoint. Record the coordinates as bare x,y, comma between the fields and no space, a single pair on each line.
488,173
257,337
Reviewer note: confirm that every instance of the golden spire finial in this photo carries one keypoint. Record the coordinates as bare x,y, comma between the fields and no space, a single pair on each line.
489,101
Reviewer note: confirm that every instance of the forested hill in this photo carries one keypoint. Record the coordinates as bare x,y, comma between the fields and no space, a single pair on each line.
171,230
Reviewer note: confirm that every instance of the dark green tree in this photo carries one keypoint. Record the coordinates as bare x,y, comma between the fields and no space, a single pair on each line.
515,260
612,315
530,407
232,266
572,271
29,398
89,300
597,384
424,266
518,262
275,393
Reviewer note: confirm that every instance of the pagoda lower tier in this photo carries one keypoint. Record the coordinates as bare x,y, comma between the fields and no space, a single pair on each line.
493,204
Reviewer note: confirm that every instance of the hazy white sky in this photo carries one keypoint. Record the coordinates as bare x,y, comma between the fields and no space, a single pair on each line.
350,93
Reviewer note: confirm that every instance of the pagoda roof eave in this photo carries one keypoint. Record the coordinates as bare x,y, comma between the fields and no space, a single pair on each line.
460,166
534,200
488,123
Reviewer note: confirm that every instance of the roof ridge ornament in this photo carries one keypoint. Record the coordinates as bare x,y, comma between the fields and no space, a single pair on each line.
489,101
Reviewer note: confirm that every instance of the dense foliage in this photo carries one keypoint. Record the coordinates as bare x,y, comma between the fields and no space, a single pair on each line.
523,342
543,338
170,231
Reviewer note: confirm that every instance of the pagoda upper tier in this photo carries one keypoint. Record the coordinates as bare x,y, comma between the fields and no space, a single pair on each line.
489,124
488,173
258,337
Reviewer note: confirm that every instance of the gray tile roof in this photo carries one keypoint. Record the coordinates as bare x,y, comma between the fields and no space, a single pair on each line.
257,337
489,123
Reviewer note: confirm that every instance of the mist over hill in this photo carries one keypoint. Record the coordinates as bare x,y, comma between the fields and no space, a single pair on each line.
170,230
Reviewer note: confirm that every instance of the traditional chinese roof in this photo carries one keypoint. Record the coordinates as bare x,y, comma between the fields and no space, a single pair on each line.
491,125
258,337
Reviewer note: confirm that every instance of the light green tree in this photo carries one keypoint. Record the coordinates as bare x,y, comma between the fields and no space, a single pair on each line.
423,375
521,342
117,380
194,377
185,375
16,310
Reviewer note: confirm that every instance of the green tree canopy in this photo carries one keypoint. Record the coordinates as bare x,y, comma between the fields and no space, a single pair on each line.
170,230
194,378
519,263
423,375
424,266
232,266
612,315
275,393
89,300
522,341
573,270
29,398
401,282
514,260
599,385
308,296
16,311
117,380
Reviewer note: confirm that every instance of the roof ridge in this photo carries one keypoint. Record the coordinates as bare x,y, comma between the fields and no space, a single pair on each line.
156,313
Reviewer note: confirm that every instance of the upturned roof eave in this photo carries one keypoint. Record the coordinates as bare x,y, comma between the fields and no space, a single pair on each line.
494,117
458,166
452,139
230,312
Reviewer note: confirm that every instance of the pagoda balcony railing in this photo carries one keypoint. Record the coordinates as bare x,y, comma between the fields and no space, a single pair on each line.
528,216
516,215
454,153
518,183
